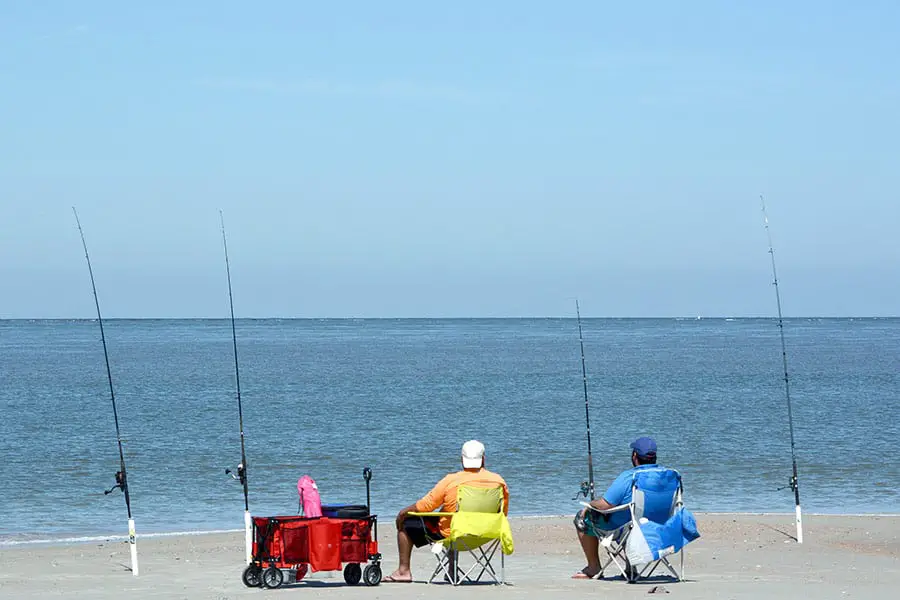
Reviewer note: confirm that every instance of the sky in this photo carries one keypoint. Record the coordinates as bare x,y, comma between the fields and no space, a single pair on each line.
465,159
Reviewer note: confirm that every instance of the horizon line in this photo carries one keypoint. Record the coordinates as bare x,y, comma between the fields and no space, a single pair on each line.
456,318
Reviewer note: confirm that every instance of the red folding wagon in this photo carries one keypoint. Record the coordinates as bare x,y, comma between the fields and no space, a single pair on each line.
287,547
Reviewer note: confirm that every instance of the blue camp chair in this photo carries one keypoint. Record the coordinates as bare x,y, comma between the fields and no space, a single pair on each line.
659,526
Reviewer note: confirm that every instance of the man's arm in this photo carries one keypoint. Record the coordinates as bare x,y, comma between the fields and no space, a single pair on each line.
431,501
601,504
613,496
402,515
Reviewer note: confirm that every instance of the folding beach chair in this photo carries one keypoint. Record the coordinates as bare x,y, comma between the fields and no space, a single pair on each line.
659,527
480,528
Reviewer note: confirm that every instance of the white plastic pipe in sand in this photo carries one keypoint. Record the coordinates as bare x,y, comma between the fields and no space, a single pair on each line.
248,536
132,542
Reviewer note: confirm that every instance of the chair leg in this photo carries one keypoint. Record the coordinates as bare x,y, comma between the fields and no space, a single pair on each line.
483,560
488,566
614,546
614,557
441,565
604,565
483,556
650,568
448,565
671,569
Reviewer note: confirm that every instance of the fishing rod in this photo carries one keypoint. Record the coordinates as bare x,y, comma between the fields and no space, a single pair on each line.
587,487
794,483
121,474
241,468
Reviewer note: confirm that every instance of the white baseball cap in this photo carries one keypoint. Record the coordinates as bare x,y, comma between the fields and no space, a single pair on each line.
473,454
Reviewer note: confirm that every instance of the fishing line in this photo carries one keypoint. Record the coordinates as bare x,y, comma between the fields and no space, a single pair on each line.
121,474
794,482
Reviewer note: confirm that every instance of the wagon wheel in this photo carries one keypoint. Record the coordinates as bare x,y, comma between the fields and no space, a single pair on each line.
272,578
352,573
251,576
372,575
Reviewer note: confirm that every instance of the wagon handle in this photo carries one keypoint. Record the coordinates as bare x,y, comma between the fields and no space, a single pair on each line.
367,475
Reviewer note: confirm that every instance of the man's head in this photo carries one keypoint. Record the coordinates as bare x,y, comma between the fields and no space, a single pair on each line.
643,451
473,455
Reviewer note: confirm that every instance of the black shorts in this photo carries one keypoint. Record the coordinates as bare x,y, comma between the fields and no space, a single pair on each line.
422,530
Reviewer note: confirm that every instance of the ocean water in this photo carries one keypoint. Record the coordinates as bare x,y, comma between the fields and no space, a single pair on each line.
329,397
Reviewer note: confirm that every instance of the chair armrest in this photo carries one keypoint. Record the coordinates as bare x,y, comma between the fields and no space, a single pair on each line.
608,511
430,514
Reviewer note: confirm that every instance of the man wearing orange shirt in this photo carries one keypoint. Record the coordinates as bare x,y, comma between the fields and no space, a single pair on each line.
419,531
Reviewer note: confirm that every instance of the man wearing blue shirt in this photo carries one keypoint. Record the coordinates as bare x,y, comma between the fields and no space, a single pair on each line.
592,525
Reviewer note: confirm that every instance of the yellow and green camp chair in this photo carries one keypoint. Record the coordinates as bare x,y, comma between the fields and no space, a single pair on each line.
480,527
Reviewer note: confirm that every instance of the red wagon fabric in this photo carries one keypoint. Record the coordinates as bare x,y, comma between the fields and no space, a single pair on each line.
322,543
325,545
293,541
355,544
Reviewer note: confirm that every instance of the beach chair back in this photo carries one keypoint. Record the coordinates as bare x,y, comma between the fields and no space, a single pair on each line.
656,494
479,499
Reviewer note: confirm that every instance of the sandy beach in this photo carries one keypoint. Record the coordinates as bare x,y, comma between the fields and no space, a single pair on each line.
738,556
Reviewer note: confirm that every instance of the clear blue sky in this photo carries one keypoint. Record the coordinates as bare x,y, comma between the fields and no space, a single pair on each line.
453,159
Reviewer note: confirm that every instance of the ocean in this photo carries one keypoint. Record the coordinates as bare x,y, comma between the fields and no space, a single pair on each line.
400,396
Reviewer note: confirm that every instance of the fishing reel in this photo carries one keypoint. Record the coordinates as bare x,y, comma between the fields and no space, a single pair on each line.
241,473
584,492
120,483
792,484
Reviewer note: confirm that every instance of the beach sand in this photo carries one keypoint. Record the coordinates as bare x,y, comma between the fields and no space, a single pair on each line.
738,556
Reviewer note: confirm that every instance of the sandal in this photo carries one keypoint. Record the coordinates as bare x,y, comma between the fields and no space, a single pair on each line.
583,574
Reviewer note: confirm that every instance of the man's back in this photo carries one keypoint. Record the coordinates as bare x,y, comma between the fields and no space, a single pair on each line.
619,492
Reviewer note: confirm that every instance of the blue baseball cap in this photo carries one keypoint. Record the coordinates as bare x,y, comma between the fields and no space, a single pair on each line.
644,446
